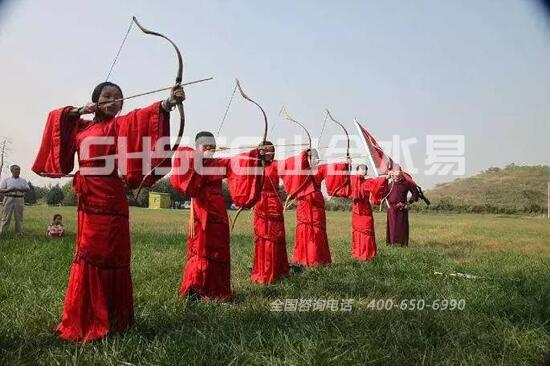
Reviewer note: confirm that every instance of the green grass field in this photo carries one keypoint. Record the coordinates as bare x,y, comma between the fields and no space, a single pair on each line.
505,320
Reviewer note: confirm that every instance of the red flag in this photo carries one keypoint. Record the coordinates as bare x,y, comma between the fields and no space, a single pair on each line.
378,158
382,162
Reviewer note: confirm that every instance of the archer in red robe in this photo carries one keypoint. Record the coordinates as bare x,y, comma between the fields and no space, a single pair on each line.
207,273
270,256
397,229
99,292
311,246
364,191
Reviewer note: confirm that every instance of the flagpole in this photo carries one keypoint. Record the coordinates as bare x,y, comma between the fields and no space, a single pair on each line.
374,167
369,154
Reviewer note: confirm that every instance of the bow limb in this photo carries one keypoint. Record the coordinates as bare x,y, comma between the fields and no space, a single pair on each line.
243,94
290,197
343,128
347,147
390,190
286,115
264,138
234,221
386,196
179,78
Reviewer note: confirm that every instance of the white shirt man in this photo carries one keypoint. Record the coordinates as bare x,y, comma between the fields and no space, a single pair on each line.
13,189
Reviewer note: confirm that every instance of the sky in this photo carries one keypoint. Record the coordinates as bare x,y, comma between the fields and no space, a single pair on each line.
480,69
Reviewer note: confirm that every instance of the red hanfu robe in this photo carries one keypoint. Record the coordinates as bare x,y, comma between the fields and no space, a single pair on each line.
270,256
336,177
311,246
364,191
397,229
99,293
207,272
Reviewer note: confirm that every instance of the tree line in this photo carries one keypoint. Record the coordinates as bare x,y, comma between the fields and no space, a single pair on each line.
64,195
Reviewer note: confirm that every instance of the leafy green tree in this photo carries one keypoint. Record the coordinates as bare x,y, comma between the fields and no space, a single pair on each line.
55,195
143,199
40,192
69,198
30,196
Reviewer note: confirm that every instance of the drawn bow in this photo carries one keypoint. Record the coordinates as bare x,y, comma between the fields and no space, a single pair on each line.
243,94
286,115
347,148
264,138
179,105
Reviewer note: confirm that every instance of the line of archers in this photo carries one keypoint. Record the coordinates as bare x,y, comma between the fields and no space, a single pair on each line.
179,79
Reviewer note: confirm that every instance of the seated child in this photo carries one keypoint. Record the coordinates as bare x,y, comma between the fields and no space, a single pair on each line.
55,229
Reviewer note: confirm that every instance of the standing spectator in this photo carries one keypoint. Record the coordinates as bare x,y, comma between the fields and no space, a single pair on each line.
14,189
397,228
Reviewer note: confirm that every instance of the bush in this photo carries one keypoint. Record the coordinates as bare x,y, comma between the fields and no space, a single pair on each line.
338,204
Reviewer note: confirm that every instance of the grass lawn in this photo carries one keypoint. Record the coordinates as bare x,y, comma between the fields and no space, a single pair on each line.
505,321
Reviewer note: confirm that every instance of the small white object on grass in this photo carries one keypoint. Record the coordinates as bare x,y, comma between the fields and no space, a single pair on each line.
458,274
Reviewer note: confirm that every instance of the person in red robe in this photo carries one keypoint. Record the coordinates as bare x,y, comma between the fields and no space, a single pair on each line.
197,174
304,185
270,256
99,292
364,191
397,229
311,246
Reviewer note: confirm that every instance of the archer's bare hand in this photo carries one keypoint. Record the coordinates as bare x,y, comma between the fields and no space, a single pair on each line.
177,95
88,109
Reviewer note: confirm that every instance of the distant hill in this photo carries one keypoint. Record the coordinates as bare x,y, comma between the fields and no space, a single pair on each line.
514,189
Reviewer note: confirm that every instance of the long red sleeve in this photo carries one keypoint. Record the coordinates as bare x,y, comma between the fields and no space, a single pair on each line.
245,178
150,122
376,187
56,154
337,179
184,177
293,173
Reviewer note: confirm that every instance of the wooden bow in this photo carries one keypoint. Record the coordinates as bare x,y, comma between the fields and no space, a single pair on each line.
179,105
